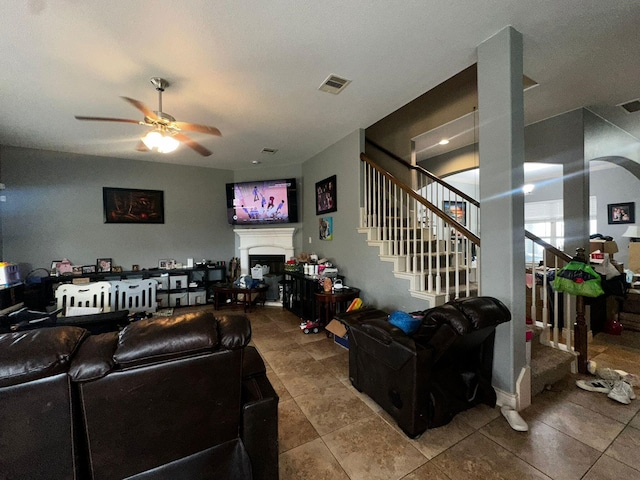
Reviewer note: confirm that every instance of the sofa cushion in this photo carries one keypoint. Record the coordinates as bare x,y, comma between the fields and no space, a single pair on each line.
35,354
483,312
94,358
154,340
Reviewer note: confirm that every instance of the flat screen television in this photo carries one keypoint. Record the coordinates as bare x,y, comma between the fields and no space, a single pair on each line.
262,202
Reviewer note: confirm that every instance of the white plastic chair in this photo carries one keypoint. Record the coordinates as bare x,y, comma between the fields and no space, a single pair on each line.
134,295
94,295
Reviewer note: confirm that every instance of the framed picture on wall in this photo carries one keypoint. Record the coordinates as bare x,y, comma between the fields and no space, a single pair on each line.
326,198
325,225
456,210
127,205
621,213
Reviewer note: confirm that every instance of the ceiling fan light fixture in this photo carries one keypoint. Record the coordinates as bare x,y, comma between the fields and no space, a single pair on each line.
155,140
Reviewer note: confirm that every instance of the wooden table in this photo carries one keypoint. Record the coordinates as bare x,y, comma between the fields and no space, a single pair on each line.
330,303
229,290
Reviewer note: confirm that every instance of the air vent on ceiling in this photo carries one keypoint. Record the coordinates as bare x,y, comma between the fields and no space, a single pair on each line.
269,151
334,84
632,106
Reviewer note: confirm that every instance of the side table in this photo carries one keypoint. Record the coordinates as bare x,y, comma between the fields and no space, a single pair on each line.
330,303
232,291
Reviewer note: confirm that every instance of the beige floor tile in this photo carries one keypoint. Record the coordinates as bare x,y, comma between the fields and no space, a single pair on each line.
324,348
434,441
311,461
552,452
479,415
428,471
284,361
598,402
371,450
626,448
338,365
635,421
294,429
333,407
598,432
479,458
607,468
305,378
368,401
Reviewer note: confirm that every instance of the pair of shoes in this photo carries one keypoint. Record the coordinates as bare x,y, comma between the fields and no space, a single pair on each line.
602,386
612,374
622,392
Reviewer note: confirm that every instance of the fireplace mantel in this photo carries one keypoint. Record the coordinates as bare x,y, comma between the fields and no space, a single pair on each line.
264,241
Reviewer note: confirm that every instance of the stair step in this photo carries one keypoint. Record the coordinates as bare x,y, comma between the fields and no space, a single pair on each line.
630,321
548,366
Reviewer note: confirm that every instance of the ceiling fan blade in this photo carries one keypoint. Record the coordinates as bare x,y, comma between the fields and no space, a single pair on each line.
192,144
194,127
107,119
142,107
141,147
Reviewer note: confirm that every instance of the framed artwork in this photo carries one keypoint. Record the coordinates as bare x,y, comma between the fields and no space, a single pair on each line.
456,210
88,269
76,270
116,269
126,205
103,265
325,225
326,199
166,264
621,213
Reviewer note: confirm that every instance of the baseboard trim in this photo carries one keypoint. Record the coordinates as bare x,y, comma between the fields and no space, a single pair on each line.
521,399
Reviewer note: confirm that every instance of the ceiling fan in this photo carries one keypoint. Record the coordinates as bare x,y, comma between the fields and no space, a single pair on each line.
166,133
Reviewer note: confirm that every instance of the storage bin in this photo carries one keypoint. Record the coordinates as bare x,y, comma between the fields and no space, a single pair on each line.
177,282
198,297
162,299
163,282
178,299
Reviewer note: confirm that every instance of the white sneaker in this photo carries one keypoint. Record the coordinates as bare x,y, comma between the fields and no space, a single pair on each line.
602,386
620,392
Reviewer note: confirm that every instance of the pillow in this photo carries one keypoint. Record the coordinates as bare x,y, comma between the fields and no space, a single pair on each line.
404,321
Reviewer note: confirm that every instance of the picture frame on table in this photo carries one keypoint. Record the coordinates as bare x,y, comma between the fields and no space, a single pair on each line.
166,264
88,269
326,196
621,213
103,265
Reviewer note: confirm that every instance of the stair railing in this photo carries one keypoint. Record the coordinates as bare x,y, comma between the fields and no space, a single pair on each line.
558,311
438,249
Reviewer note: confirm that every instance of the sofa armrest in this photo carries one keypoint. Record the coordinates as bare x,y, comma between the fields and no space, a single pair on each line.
383,341
234,331
259,429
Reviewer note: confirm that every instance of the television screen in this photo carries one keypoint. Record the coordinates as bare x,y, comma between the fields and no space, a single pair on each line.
262,202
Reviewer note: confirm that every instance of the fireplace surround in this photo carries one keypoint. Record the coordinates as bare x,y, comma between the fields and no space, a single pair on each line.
264,242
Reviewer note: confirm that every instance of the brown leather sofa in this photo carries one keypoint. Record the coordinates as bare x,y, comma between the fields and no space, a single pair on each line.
424,379
181,397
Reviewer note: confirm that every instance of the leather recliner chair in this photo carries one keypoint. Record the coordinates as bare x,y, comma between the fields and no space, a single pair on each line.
424,379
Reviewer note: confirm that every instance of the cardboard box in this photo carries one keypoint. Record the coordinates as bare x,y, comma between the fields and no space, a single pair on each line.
339,331
634,257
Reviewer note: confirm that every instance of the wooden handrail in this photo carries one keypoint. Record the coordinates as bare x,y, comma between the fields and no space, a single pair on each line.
425,172
426,203
547,246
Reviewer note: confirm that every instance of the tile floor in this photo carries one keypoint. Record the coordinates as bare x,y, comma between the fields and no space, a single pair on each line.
328,430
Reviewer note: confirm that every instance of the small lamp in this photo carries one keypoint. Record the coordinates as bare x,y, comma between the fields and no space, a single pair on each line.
632,232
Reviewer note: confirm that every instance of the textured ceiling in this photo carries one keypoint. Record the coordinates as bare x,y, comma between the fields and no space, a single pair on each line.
252,68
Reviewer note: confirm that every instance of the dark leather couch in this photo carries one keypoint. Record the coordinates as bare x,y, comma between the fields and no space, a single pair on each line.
173,398
424,379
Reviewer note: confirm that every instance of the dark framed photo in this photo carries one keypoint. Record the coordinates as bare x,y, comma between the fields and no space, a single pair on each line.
103,265
88,269
326,199
456,210
621,213
127,205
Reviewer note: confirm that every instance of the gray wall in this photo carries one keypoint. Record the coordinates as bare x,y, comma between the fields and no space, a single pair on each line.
54,210
349,250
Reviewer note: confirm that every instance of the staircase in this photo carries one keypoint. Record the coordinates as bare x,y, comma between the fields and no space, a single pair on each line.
437,253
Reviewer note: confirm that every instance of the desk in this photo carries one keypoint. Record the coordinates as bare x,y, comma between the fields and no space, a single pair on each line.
330,303
232,291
